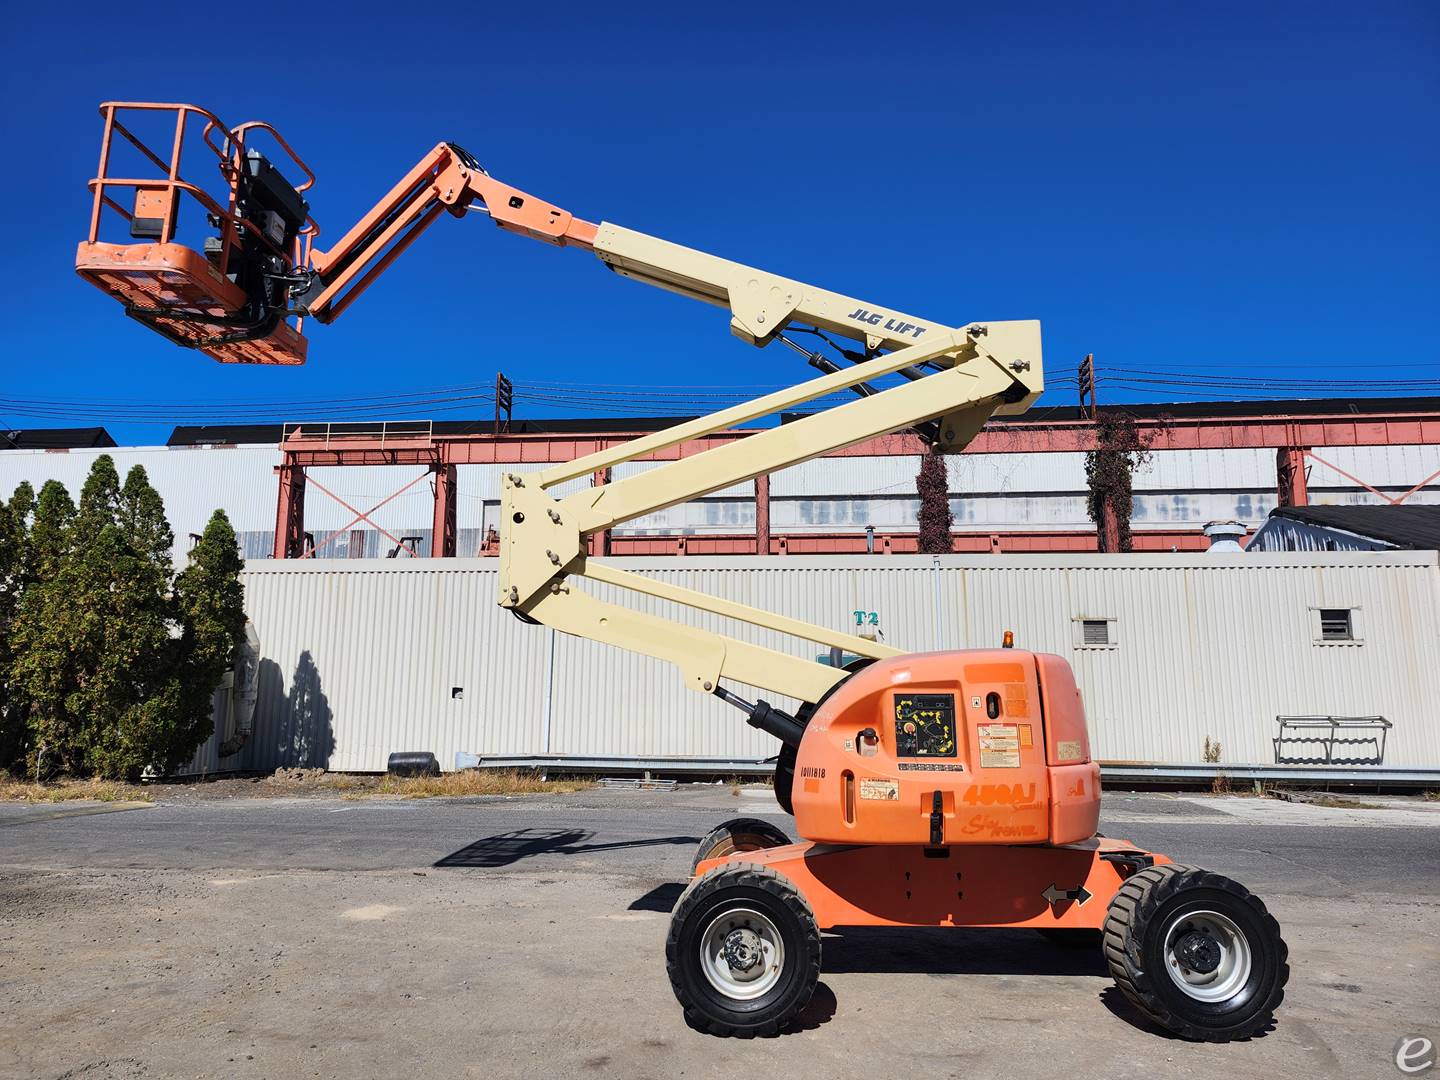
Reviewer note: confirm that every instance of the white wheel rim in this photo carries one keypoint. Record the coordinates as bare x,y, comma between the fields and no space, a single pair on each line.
1207,932
742,954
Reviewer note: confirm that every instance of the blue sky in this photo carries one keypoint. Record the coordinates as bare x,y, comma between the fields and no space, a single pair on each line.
1248,189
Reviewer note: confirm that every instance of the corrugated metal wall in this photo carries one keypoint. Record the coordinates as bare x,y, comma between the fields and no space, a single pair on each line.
364,658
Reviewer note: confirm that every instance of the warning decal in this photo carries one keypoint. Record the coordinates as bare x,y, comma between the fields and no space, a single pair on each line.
999,746
884,790
1068,750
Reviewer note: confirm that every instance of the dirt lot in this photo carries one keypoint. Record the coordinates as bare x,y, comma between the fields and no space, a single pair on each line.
280,937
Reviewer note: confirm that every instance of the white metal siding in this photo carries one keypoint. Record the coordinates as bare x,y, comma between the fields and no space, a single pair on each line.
367,652
194,481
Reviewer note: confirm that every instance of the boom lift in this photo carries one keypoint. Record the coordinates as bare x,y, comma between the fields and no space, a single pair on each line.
951,788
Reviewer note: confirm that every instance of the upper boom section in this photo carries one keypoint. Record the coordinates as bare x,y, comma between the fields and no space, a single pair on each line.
242,296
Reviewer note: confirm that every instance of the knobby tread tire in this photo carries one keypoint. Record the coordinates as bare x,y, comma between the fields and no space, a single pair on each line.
749,881
769,833
1133,913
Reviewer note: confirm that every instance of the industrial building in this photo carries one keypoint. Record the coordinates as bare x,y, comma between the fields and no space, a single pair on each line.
359,659
1319,660
370,490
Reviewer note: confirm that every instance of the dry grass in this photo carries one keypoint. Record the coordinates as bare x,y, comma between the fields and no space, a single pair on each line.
459,784
71,790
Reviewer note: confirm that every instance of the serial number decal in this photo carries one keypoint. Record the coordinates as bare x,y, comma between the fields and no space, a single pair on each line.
898,327
813,771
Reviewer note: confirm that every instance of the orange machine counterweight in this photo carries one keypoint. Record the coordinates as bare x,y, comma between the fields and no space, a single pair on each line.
975,747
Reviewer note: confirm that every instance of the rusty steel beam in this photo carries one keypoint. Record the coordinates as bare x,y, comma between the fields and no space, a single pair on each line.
1291,436
762,514
442,536
1006,437
899,543
290,512
1290,479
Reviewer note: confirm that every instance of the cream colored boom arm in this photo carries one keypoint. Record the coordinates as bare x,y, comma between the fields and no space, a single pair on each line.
983,368
447,179
959,377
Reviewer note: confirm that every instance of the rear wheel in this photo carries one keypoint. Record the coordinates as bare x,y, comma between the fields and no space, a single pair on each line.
743,952
785,777
738,834
1196,952
785,760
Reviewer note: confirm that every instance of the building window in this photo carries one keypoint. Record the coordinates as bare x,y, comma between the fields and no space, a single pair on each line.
1335,625
1092,632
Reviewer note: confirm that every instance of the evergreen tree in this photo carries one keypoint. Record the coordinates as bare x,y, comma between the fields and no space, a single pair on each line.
99,499
142,515
210,603
117,657
50,533
14,574
41,667
129,649
120,575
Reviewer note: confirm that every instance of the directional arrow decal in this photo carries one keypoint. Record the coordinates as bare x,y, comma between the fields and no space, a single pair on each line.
1053,895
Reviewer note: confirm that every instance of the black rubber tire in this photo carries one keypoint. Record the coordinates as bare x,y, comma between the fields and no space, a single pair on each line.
743,885
1146,905
1069,937
785,760
738,834
785,779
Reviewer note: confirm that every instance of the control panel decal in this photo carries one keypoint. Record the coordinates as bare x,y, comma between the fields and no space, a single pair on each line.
925,725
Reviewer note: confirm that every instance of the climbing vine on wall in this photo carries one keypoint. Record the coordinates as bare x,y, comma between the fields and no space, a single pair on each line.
935,517
1120,449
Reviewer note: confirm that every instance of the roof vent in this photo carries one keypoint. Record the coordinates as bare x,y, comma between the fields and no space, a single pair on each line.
1225,536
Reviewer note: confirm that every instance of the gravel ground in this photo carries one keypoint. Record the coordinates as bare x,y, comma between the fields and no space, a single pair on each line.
298,937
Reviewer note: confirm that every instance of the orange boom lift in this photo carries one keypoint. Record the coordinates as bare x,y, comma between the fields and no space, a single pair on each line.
950,788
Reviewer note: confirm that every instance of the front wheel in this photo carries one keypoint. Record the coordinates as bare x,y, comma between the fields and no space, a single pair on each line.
738,834
743,952
1196,952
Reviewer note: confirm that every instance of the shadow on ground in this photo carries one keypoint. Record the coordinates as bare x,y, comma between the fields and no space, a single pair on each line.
504,849
954,951
662,898
1121,1006
820,1009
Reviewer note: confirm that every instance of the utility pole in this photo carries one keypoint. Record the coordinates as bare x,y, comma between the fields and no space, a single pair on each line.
504,401
1108,527
1087,386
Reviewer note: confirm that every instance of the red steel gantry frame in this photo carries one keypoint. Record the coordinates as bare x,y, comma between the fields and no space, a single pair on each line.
1293,437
